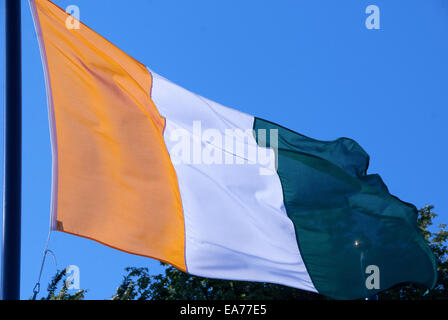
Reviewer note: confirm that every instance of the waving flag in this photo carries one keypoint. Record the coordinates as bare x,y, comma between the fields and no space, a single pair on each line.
147,167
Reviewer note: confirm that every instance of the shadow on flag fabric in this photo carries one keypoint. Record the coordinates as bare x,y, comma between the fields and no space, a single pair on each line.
147,167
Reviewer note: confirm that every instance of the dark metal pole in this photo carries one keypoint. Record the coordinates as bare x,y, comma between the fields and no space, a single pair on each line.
10,277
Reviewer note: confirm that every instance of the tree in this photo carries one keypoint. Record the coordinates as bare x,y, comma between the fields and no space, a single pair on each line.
437,243
59,277
174,284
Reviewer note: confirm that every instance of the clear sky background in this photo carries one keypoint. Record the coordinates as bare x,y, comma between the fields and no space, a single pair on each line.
311,66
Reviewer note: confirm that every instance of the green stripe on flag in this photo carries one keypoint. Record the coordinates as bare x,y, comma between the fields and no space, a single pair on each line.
346,220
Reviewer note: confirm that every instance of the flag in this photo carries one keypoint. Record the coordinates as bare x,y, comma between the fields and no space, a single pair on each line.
147,167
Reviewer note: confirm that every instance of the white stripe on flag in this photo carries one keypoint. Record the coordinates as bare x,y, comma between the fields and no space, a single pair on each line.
235,219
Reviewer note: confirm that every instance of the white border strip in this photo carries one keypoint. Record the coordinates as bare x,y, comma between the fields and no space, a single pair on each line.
51,118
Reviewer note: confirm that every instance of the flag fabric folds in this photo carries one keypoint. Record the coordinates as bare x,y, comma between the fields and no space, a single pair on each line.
147,167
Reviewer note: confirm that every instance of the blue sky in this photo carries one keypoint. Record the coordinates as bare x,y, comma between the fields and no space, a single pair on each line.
311,66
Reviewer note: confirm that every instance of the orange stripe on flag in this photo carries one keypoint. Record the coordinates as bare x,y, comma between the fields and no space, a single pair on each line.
113,180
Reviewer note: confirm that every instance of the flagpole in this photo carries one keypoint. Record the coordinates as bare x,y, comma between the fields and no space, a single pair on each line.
10,269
